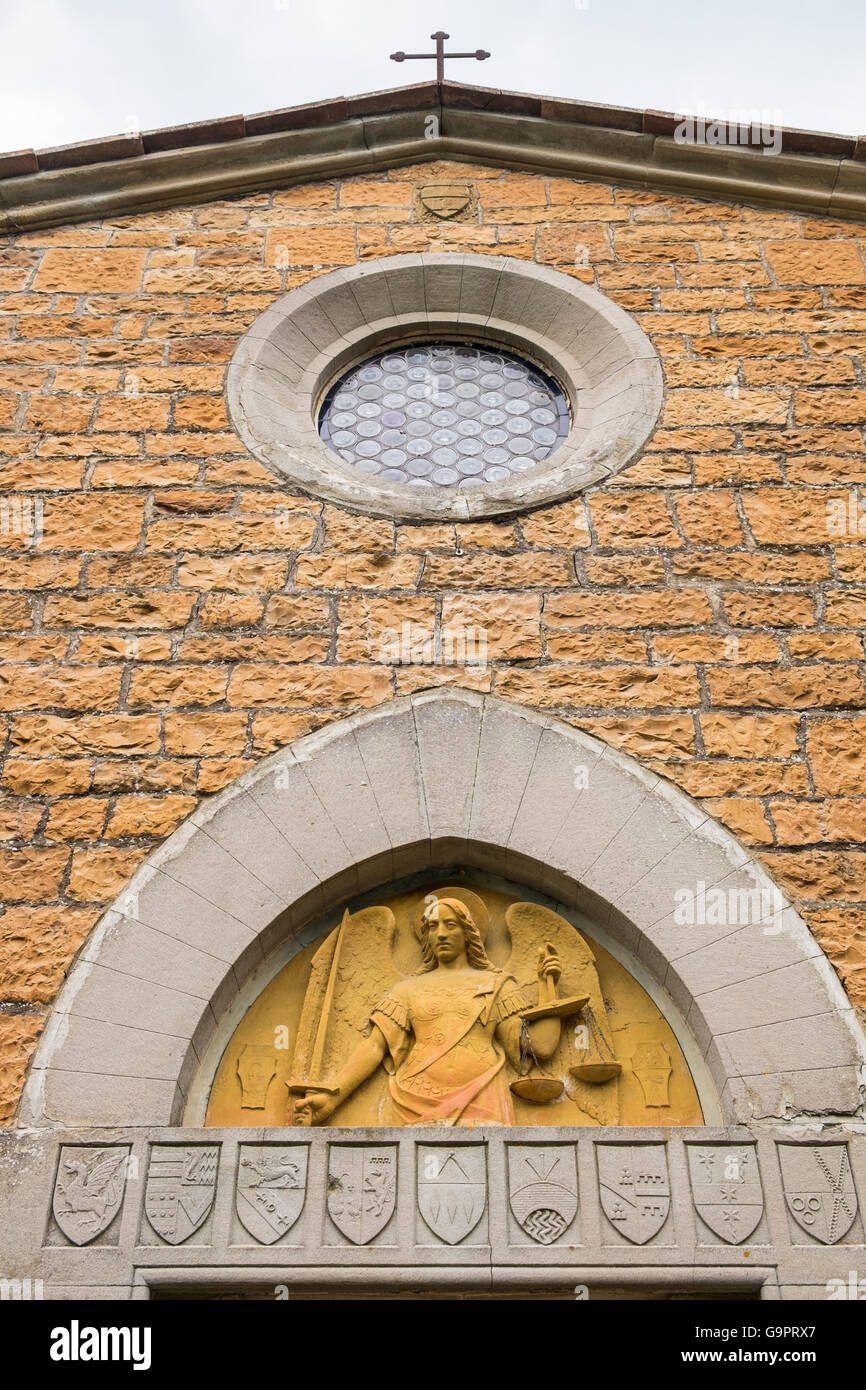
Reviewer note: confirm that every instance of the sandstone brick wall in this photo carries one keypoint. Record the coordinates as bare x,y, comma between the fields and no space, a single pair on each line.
182,616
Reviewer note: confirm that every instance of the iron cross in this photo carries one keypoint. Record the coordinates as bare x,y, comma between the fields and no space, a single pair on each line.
440,55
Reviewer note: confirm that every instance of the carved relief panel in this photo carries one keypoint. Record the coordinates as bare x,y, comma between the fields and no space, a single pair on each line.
453,1005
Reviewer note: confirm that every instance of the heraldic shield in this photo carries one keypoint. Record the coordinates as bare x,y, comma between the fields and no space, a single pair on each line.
180,1189
819,1189
88,1190
635,1191
542,1188
362,1189
726,1187
445,200
272,1185
452,1189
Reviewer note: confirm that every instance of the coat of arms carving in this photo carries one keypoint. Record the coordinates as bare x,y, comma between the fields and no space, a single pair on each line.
819,1189
635,1190
180,1189
726,1187
446,200
452,1189
362,1189
272,1185
88,1190
542,1186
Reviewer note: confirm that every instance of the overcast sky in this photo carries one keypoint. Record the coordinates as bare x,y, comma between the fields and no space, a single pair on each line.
74,69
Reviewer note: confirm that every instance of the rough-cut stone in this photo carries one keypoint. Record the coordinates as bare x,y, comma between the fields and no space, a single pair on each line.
703,610
74,272
506,626
837,755
37,946
19,1033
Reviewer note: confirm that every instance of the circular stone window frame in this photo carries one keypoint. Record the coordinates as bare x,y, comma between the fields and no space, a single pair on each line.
297,349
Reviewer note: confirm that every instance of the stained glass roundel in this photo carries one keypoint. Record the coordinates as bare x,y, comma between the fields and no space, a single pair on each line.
455,415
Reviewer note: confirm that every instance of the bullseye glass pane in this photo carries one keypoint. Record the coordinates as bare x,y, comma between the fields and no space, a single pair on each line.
478,413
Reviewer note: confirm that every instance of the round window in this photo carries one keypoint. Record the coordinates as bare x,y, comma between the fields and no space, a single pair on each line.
441,414
444,386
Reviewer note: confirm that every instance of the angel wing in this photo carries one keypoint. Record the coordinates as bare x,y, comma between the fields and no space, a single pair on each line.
351,970
530,926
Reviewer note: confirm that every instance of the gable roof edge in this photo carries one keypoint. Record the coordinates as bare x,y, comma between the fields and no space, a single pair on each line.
367,142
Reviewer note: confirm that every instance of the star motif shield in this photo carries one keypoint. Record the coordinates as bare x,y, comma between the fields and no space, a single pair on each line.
726,1188
635,1191
362,1189
452,1189
180,1189
88,1190
542,1188
272,1185
819,1189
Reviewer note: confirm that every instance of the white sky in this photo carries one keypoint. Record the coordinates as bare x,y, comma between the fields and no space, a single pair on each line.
74,69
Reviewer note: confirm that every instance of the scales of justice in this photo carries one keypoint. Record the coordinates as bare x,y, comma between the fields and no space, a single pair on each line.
448,1025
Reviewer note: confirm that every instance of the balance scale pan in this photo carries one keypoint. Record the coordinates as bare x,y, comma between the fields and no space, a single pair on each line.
557,1008
596,1071
537,1088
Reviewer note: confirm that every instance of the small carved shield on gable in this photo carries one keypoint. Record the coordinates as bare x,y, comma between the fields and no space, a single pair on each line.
88,1190
452,1189
446,201
819,1189
542,1182
180,1189
726,1187
635,1191
362,1189
272,1185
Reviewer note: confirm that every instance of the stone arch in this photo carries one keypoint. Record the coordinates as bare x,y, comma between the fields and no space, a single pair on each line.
435,778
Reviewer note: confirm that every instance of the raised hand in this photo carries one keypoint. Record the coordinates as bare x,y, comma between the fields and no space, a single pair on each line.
549,966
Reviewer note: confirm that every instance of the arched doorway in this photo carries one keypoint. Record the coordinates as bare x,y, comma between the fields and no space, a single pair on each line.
761,1198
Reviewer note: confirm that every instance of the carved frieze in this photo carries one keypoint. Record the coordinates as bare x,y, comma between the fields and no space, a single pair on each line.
88,1190
542,1189
271,1188
726,1188
634,1188
452,1188
362,1189
179,1194
819,1189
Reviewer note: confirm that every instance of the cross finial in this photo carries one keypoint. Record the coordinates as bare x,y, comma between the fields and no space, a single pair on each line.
440,55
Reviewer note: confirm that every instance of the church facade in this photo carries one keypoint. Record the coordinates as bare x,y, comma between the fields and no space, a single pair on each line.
428,518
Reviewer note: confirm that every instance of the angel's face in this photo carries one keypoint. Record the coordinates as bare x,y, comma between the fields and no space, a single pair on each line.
446,937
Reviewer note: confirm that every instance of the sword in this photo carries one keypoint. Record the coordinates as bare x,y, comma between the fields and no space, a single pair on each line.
315,1015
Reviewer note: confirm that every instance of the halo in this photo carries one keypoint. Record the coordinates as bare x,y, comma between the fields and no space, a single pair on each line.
476,907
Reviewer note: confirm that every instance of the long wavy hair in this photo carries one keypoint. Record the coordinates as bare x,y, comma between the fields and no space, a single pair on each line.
475,952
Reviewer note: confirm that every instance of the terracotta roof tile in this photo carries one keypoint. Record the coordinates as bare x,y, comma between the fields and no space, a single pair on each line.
417,96
180,137
90,152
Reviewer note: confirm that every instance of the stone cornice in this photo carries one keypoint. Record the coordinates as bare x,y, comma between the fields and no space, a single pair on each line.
813,172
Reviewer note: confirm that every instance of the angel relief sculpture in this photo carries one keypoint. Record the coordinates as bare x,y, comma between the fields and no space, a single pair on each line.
451,1032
